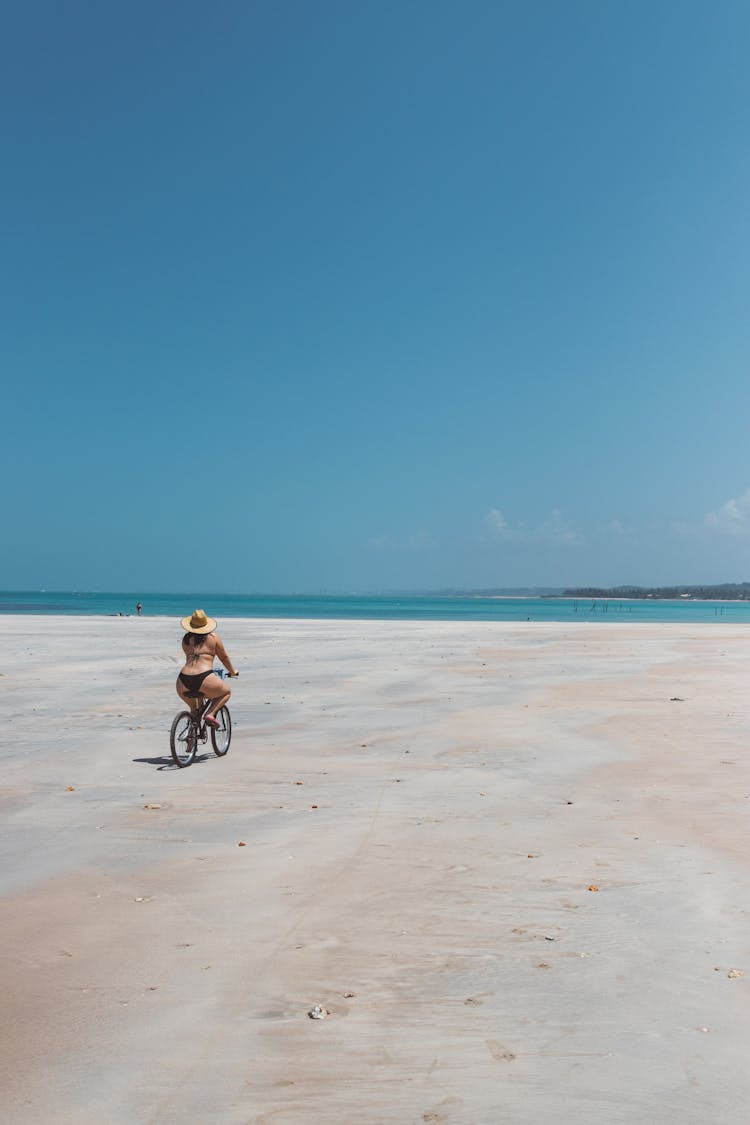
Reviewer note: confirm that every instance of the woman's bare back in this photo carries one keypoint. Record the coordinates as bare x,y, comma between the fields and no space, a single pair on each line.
200,652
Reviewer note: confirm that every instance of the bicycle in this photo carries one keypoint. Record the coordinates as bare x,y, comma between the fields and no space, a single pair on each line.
190,727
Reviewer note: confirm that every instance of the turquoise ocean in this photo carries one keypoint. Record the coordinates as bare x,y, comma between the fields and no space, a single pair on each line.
392,607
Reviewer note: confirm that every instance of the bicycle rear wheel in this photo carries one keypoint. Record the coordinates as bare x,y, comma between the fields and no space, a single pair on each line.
221,736
183,739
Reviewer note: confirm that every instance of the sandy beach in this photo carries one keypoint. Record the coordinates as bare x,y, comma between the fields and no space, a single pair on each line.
511,861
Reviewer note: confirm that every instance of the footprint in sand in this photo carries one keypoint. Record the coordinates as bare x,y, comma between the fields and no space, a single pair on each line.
434,1114
499,1052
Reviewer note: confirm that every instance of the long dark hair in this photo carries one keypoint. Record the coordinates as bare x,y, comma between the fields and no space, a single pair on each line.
193,640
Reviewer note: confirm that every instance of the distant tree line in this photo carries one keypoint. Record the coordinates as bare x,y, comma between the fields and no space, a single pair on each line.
725,591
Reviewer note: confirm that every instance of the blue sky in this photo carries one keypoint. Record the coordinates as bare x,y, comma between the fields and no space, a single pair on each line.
332,295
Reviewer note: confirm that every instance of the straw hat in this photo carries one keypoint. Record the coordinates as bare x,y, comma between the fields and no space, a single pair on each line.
198,623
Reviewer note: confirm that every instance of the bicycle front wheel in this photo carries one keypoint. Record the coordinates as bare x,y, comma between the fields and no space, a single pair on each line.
221,736
183,739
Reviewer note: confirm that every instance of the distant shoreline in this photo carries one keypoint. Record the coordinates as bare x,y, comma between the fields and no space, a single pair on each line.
600,598
722,592
652,598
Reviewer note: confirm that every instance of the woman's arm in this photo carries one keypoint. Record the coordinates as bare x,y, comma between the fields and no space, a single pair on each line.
221,652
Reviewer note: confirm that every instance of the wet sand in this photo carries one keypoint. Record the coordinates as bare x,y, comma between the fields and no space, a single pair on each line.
509,859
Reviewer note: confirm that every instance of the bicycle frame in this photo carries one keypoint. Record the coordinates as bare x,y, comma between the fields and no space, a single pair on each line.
199,713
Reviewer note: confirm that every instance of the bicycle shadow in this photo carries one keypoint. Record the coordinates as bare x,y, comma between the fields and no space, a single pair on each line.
164,763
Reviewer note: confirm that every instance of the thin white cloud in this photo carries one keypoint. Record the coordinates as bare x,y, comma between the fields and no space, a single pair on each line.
554,530
559,530
497,526
732,518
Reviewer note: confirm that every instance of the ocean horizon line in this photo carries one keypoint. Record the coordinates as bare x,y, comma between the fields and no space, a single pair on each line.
567,591
466,606
413,592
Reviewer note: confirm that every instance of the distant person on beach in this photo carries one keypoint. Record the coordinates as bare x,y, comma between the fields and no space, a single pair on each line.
138,608
200,645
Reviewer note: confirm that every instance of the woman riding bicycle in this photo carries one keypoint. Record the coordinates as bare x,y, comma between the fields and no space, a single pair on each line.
200,645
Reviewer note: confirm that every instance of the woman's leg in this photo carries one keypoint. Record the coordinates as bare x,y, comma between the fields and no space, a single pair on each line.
215,689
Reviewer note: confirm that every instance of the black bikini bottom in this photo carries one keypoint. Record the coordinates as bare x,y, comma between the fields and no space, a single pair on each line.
193,683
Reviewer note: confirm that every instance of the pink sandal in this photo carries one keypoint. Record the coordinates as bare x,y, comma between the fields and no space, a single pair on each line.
212,721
